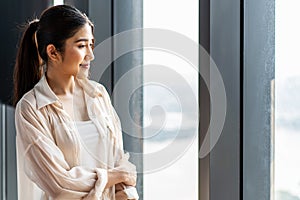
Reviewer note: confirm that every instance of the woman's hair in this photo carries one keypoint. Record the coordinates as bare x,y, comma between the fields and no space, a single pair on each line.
56,25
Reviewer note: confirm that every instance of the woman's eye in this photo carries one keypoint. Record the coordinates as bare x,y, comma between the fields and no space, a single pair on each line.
80,46
92,46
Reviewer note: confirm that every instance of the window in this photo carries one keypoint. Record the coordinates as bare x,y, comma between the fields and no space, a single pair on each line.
170,119
287,98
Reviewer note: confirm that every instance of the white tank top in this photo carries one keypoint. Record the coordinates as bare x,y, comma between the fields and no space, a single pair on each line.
90,143
96,150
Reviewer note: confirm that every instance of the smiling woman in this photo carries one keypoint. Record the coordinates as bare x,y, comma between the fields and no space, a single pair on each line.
78,52
69,138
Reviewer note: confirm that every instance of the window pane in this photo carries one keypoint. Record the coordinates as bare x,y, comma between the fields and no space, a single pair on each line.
170,100
287,103
58,2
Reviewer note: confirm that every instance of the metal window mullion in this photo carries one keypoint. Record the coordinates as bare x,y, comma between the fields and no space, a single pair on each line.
204,97
3,153
225,41
126,16
259,72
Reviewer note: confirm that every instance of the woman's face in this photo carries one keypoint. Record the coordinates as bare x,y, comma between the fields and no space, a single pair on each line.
78,52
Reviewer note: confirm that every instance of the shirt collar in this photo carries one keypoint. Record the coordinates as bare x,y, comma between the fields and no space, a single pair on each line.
89,87
45,96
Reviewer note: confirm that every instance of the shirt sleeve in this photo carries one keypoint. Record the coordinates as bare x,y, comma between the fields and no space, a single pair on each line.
44,163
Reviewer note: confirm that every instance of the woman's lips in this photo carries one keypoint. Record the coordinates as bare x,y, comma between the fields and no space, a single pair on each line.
84,66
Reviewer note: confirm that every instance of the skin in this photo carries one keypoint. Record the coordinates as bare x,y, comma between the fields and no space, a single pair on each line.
62,68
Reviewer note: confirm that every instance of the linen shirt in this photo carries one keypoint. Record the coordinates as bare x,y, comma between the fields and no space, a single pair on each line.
48,145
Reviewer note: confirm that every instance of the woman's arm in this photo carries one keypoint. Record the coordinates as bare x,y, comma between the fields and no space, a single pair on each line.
116,176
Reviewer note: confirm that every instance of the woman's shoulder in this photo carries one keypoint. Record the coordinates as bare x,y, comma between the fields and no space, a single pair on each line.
27,105
28,100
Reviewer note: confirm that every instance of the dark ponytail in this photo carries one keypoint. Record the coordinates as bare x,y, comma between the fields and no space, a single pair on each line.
27,70
56,25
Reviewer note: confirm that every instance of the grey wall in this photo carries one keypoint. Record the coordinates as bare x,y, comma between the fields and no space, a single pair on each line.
14,14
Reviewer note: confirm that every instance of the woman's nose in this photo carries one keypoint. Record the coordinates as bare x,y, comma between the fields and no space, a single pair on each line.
90,54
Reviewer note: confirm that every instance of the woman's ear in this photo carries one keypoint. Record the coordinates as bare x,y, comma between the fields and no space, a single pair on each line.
53,53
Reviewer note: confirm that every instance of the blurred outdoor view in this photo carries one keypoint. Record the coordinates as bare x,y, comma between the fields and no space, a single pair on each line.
169,117
287,103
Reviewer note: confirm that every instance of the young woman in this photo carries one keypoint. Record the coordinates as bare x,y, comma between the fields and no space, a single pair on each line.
69,139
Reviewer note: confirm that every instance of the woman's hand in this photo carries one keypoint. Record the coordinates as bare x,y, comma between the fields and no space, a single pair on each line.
115,176
128,169
130,179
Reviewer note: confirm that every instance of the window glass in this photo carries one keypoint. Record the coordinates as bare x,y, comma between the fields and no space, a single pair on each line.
287,101
58,2
170,100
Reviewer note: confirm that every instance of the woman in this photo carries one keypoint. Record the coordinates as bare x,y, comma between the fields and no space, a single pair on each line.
69,140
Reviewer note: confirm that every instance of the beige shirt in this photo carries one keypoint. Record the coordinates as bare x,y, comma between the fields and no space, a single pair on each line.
48,146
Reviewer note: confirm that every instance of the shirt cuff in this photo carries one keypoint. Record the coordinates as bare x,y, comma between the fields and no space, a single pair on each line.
131,192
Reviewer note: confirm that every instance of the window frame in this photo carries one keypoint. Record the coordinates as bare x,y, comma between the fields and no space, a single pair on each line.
240,39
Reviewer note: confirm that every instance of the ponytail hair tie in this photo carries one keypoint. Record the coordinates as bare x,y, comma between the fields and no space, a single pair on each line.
35,21
34,24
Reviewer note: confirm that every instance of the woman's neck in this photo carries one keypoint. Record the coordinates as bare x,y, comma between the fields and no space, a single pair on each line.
61,85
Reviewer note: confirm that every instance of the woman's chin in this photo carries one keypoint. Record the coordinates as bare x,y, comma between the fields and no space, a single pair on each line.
83,72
